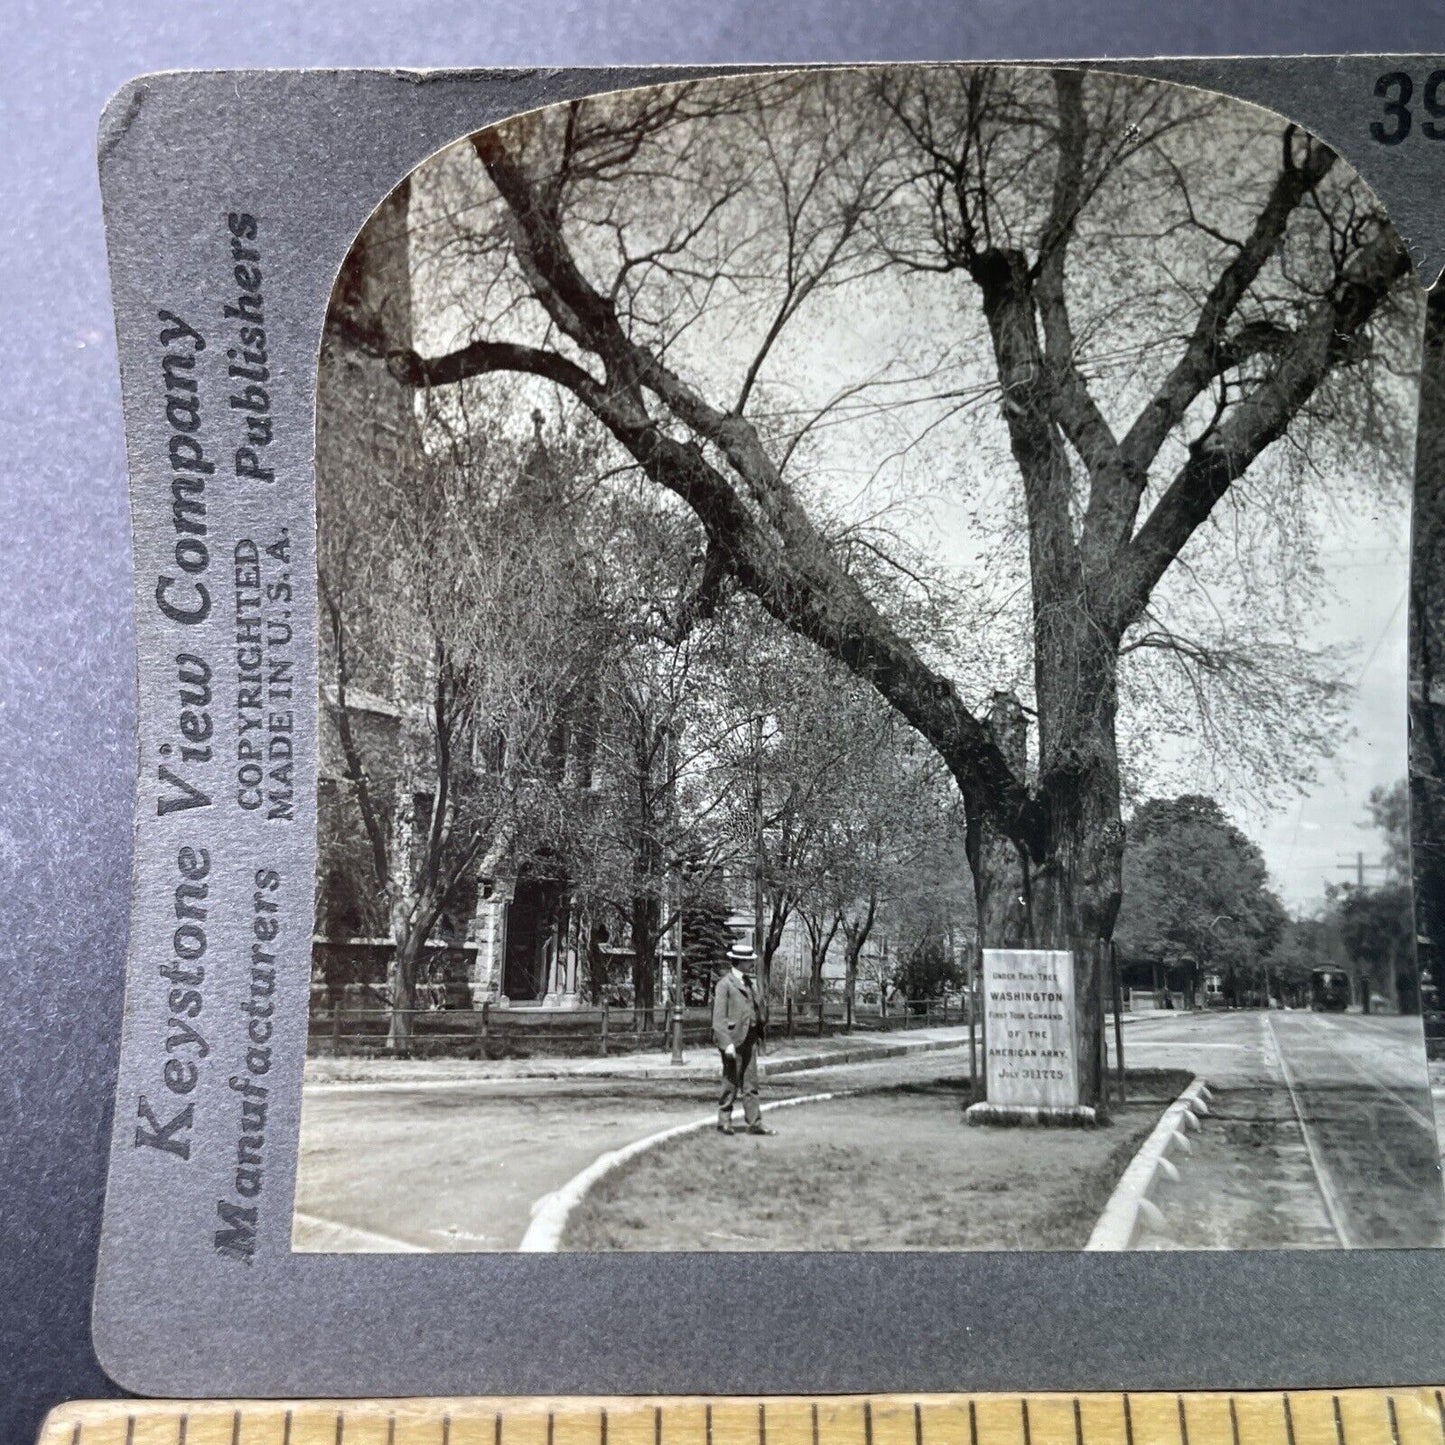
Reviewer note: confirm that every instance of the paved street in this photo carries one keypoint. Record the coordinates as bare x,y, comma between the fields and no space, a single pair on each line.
1322,1134
457,1163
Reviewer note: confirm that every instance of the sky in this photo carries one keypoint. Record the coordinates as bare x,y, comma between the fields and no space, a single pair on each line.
1305,844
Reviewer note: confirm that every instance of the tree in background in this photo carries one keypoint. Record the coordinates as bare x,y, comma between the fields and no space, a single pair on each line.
821,922
899,815
493,644
803,750
927,970
650,849
935,907
1197,887
1377,924
706,935
456,627
1389,809
1304,945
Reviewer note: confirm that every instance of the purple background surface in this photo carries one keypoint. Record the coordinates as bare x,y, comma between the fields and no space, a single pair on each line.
66,648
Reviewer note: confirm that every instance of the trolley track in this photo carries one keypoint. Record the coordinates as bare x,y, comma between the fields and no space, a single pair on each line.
1322,1132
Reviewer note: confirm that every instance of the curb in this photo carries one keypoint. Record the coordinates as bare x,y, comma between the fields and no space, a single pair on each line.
1130,1206
552,1211
787,1064
862,1053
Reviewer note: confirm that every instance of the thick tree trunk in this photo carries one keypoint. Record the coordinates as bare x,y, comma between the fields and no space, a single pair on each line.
999,866
1070,881
1068,897
1076,891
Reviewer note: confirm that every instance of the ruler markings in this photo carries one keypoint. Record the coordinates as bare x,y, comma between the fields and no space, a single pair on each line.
1305,1417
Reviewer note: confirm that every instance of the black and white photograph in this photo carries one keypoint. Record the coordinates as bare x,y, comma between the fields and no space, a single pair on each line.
864,629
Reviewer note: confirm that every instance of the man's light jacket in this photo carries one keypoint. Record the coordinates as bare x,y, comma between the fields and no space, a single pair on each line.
737,1017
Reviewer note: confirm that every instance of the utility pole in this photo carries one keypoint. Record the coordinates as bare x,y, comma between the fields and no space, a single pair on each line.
678,1003
757,727
1359,867
675,928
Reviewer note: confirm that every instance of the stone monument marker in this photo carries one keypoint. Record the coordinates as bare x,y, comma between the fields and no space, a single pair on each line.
1031,1039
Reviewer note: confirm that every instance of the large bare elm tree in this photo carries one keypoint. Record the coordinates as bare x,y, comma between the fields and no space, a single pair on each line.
1147,314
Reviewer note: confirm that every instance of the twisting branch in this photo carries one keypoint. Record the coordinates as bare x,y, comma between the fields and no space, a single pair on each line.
1200,360
1326,336
779,555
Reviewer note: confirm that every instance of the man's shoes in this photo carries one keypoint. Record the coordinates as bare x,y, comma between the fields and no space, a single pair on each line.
760,1129
726,1129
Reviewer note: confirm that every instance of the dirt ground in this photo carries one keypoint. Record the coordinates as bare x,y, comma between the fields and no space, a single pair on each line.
891,1170
456,1164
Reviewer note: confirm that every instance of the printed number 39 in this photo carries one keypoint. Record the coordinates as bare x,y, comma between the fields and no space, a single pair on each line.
1397,89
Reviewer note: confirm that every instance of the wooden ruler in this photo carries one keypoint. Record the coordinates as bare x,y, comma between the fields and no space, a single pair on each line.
1306,1417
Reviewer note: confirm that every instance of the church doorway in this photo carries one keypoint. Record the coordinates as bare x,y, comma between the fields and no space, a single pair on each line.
532,919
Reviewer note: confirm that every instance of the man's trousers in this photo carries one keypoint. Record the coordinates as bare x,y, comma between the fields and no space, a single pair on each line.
740,1076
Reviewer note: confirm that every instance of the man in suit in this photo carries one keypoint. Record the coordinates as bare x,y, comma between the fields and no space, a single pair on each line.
737,1028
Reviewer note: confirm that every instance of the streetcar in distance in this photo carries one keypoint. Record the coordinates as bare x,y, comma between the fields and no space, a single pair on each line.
1329,990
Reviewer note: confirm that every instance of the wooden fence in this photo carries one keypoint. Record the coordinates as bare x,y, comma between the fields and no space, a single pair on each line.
356,1021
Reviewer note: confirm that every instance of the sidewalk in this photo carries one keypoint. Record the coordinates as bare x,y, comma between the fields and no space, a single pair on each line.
783,1056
